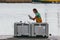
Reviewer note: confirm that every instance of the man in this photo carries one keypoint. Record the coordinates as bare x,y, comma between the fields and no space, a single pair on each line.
37,16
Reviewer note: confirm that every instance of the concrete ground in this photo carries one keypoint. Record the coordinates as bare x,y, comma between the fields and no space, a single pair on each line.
12,38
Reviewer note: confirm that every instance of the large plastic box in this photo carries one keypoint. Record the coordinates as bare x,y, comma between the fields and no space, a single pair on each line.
39,29
21,29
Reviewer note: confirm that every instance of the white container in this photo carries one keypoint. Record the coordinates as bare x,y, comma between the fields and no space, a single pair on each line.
21,29
39,29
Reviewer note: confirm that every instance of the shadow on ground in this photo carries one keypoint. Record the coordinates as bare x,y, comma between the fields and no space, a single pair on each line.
25,38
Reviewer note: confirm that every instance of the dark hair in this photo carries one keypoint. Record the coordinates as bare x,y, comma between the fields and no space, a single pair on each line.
35,10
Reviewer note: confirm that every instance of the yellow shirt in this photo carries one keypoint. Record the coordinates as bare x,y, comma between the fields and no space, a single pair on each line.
39,20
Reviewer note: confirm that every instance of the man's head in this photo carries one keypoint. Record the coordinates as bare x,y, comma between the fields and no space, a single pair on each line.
35,10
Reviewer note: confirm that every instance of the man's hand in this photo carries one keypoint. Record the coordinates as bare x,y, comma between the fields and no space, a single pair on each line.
34,18
30,17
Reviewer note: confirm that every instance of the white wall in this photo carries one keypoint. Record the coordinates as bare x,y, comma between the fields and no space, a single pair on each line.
58,19
52,18
10,13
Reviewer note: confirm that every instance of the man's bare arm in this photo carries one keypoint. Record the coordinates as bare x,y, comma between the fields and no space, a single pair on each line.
34,18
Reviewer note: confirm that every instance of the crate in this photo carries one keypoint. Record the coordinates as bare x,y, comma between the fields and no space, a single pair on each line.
39,29
21,29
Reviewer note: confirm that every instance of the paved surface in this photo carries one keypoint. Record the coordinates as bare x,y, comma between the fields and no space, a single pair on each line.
12,38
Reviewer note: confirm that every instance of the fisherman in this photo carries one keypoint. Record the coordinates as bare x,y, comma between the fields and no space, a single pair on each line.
37,16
